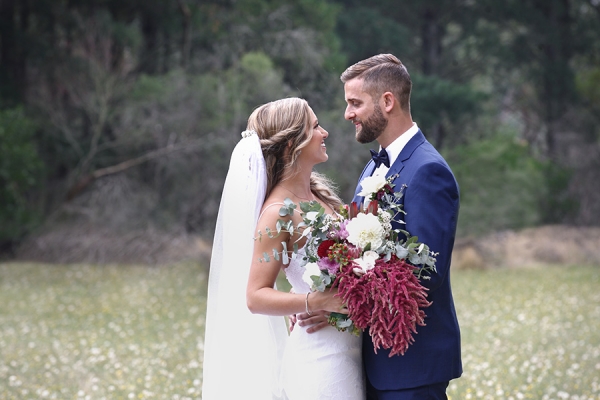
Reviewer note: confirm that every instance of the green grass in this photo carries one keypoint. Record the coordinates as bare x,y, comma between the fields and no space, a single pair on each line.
120,332
77,332
529,334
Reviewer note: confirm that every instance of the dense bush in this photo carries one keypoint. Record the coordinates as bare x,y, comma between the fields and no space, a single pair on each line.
157,92
20,170
502,186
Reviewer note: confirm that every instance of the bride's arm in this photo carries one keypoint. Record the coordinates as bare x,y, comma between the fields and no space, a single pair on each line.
261,297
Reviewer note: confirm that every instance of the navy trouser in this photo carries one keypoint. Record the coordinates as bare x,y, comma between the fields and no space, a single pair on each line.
437,391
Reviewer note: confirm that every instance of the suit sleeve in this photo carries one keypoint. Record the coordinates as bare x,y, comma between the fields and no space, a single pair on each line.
431,203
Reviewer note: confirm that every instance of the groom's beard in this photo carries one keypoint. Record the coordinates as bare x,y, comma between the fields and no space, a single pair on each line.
372,127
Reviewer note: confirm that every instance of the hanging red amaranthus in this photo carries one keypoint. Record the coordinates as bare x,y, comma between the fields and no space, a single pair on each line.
388,300
375,264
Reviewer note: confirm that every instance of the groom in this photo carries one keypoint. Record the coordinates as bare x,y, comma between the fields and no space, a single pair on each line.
377,92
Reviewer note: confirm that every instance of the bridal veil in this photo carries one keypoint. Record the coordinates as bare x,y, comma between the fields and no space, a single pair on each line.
242,351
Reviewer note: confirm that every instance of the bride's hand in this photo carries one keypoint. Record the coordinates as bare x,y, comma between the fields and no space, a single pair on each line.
327,300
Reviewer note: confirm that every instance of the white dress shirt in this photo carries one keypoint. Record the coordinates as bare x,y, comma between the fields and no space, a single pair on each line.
394,149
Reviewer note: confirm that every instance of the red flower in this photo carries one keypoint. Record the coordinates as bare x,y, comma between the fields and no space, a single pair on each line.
388,301
323,250
353,210
372,207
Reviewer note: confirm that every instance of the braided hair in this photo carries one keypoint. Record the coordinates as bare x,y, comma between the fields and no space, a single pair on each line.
284,129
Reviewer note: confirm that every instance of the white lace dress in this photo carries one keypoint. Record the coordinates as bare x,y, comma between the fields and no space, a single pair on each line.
323,365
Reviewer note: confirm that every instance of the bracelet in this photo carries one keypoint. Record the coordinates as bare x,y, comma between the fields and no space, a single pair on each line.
306,304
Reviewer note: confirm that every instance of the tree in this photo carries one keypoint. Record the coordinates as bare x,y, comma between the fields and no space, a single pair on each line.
81,95
14,18
428,37
542,38
20,171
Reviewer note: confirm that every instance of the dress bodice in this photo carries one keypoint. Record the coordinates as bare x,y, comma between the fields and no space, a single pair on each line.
328,359
295,270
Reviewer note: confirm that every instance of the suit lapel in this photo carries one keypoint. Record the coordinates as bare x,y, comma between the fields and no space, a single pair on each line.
368,171
406,153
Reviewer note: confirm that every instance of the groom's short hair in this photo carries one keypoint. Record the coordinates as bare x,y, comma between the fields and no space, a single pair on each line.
382,73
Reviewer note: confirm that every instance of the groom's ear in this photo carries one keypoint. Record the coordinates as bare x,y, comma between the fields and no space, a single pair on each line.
389,101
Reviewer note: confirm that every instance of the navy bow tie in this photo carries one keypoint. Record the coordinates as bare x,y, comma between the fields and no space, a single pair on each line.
380,158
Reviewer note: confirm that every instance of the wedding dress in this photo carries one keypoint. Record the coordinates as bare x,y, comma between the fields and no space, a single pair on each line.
324,365
248,356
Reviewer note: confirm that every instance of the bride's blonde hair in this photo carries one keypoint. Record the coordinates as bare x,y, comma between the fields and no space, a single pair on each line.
284,128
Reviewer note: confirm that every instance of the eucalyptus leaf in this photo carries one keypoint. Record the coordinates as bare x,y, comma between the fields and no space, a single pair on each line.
411,239
288,208
305,206
284,254
344,323
321,235
290,226
404,232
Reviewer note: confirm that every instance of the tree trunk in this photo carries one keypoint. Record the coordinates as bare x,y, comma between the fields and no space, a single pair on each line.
186,33
150,56
558,77
431,51
12,54
431,42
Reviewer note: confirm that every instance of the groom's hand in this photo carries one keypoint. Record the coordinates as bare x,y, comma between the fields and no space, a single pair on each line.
314,322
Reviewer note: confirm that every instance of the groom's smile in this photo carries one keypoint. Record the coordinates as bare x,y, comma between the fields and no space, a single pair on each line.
365,114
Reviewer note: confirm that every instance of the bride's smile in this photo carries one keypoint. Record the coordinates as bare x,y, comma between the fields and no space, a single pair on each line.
316,148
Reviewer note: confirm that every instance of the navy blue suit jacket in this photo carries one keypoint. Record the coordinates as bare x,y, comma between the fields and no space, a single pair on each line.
431,202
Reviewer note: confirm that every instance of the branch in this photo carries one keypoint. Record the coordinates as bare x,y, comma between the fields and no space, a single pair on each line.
87,180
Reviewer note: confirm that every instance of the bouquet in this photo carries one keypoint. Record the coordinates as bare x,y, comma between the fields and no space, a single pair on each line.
375,267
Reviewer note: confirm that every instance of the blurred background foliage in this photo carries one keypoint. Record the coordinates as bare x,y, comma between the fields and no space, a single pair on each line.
124,113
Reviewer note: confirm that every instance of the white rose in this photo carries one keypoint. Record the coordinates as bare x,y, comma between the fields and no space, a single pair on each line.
310,269
371,185
364,229
365,263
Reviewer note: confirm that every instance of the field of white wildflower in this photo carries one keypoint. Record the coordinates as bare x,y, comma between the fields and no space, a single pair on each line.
101,332
529,333
135,332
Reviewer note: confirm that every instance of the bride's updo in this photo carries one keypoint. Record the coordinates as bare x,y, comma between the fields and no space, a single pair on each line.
285,125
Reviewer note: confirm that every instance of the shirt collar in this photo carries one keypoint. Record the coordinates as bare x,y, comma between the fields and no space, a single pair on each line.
396,147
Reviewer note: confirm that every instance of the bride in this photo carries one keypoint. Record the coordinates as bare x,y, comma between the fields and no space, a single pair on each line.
247,351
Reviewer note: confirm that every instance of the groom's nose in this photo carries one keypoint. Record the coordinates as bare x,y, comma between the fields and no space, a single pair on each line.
349,115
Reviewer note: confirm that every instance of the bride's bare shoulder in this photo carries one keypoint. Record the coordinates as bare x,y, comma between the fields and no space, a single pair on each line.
271,207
